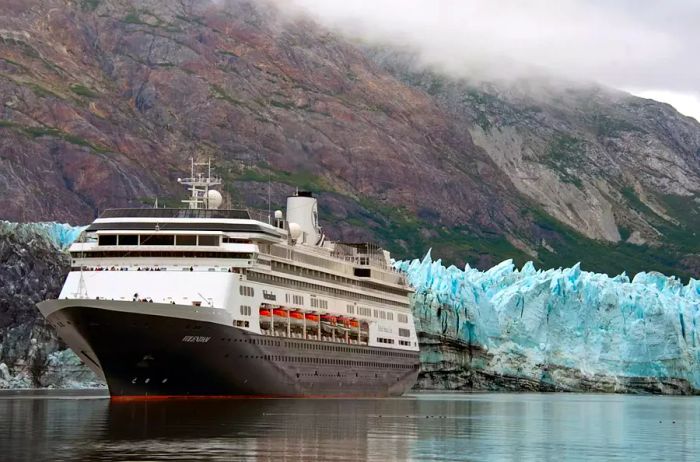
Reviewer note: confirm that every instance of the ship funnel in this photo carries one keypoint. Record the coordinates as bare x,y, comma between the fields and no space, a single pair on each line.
302,209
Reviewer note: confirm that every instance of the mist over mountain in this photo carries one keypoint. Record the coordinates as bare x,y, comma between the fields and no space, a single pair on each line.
104,101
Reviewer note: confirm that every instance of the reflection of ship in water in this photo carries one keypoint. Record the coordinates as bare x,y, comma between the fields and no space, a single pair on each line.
251,428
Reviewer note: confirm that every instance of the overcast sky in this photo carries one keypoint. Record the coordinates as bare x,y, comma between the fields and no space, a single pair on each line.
648,47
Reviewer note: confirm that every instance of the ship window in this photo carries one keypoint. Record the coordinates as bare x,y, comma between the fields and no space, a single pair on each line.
247,291
390,315
128,239
107,239
157,239
208,240
186,239
403,318
246,310
351,309
404,333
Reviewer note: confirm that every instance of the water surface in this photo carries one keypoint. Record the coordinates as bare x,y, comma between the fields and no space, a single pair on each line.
535,427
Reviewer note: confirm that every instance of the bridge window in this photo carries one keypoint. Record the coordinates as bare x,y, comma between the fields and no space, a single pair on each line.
128,239
157,239
186,239
107,239
208,240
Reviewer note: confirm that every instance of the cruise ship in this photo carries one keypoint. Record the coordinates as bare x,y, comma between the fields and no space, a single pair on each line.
202,301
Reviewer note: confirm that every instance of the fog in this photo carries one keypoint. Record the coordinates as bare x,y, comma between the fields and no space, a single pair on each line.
648,47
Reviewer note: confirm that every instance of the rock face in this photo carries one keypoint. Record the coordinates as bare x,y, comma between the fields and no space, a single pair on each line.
32,269
555,330
616,168
104,101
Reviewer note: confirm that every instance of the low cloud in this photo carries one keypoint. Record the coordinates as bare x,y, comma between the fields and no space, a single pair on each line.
641,44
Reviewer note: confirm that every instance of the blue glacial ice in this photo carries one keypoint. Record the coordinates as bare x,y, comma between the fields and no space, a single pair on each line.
530,320
62,235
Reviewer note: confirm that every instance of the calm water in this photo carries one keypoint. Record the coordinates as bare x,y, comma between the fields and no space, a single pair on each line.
416,427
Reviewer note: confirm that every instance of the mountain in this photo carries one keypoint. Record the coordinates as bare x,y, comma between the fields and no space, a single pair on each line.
104,102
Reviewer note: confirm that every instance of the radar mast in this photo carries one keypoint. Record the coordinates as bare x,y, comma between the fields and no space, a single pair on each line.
199,186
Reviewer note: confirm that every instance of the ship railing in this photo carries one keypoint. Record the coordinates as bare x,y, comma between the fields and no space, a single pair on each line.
343,265
260,215
332,261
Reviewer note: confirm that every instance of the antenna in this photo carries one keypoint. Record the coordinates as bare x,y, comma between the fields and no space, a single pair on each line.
199,185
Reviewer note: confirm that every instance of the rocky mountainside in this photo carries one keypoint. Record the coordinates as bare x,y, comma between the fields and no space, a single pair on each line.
104,101
32,269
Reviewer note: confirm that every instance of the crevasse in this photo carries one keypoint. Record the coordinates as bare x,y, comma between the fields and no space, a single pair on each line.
530,319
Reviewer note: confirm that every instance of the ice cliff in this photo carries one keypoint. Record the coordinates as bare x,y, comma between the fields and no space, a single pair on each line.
557,329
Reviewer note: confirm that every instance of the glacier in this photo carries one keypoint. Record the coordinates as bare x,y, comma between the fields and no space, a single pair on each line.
500,329
559,329
62,235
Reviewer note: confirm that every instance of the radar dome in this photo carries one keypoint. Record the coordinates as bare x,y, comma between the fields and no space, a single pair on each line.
214,199
294,231
278,215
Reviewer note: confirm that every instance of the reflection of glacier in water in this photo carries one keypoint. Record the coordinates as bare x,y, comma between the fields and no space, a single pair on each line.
562,326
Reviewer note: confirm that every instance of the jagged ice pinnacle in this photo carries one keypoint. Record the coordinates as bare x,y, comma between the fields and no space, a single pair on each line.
531,319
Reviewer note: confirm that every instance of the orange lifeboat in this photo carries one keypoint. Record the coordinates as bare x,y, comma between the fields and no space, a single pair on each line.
296,318
327,322
354,323
311,317
280,312
341,325
329,318
265,318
